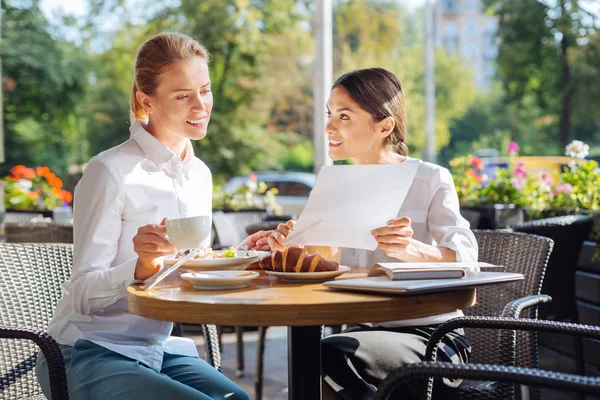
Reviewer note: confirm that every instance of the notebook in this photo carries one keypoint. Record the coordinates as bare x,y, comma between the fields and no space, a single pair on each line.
382,284
401,271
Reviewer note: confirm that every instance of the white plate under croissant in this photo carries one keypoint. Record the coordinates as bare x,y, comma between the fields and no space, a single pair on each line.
309,276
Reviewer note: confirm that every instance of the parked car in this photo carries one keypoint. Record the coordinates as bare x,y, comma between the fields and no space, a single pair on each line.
294,188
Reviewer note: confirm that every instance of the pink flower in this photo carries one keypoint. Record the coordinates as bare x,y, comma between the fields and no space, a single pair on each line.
252,177
518,182
520,164
565,188
513,148
546,184
520,172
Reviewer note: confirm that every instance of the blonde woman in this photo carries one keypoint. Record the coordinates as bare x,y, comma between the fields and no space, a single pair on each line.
121,203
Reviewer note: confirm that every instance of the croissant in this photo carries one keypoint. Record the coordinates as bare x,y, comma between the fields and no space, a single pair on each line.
294,259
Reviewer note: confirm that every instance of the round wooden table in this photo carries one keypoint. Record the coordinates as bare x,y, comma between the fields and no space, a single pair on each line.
303,307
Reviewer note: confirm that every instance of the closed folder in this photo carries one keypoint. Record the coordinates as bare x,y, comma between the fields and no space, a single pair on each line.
405,271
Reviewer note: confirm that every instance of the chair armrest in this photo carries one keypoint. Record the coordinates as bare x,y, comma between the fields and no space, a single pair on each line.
514,307
52,353
523,324
488,372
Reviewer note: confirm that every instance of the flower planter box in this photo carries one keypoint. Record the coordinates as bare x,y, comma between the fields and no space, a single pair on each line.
495,216
45,213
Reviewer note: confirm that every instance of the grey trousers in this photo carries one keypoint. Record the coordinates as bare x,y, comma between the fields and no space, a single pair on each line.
358,359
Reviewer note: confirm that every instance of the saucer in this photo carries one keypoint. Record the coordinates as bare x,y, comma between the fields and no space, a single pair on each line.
309,276
220,279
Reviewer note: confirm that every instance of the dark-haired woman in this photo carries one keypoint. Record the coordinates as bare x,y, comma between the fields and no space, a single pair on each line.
367,124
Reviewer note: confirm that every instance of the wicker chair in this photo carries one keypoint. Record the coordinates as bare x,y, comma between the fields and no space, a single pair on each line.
568,232
231,227
516,252
30,278
30,287
508,375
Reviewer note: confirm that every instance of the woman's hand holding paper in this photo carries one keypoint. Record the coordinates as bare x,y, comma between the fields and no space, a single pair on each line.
396,238
257,241
277,238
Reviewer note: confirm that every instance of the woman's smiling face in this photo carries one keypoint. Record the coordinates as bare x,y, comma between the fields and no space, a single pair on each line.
183,101
351,131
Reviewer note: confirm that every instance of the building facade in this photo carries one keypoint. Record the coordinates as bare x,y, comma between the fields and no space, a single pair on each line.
463,28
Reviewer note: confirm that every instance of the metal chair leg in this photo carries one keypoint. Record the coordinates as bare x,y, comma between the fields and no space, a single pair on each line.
260,357
239,334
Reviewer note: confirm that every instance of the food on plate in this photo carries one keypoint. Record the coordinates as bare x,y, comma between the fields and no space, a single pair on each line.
294,259
209,253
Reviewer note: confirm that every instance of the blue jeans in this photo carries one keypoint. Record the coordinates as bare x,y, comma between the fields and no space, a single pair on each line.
94,372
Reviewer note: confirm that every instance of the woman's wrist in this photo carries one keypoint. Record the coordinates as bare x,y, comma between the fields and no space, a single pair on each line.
143,272
417,251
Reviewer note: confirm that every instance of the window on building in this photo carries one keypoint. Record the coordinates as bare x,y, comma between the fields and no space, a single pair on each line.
490,71
469,51
450,5
450,45
450,29
472,5
471,28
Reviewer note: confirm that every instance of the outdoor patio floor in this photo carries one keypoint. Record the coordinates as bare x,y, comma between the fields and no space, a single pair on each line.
275,366
275,373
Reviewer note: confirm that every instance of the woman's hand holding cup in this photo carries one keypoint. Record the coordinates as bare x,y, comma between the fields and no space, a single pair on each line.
151,245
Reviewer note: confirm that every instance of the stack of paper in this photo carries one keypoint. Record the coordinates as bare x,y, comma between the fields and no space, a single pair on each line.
402,271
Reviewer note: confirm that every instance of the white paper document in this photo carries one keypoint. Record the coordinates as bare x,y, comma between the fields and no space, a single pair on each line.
349,201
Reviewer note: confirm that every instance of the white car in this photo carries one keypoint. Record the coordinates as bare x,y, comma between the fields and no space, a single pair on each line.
294,188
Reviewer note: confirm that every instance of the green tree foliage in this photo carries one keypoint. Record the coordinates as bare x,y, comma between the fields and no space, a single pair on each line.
543,50
107,98
492,122
43,78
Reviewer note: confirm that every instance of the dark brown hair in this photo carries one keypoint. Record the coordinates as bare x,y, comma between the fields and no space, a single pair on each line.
379,92
153,58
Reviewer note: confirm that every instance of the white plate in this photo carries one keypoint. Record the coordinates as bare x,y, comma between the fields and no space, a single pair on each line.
309,276
210,264
218,280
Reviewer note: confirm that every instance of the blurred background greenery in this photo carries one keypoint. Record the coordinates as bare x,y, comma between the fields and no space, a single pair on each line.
67,77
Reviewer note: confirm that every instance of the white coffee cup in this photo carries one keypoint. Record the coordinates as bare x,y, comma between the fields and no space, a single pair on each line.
190,232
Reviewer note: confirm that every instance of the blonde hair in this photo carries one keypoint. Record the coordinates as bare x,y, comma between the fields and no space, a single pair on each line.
154,57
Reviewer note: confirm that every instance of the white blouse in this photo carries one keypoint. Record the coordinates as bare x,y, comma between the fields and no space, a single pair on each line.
432,205
131,185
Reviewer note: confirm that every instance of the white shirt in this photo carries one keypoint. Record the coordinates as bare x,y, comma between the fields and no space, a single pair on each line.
433,208
131,185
